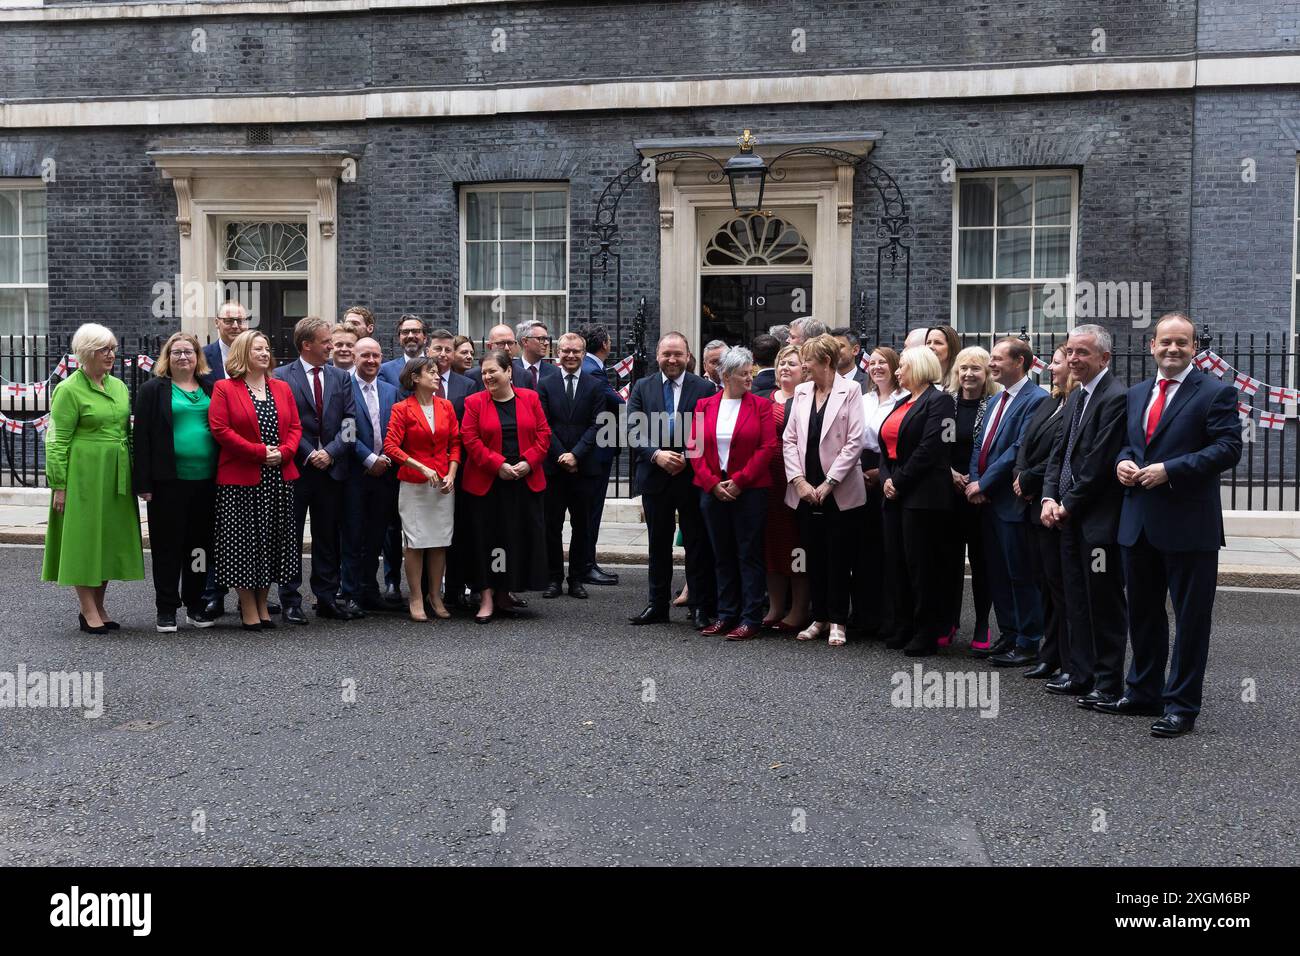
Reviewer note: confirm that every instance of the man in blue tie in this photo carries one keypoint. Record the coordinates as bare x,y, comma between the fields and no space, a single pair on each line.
1182,435
593,363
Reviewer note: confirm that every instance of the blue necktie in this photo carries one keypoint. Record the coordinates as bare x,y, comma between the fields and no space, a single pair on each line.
668,407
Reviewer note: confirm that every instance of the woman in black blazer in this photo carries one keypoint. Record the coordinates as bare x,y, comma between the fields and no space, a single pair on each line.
175,469
917,483
1031,466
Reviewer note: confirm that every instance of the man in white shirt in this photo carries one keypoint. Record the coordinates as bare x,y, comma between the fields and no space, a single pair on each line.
847,365
534,343
709,362
231,322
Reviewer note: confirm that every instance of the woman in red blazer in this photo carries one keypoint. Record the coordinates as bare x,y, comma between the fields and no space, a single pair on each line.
254,420
424,439
506,437
730,447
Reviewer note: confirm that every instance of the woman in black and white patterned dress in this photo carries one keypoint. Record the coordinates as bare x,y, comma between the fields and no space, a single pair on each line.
255,421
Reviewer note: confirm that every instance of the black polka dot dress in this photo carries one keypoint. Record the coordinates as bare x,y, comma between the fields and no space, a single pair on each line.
257,537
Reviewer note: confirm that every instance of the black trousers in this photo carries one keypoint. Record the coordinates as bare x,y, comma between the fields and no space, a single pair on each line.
600,489
371,508
459,555
896,609
182,516
736,534
927,555
1051,587
321,496
966,540
1189,578
1096,612
830,540
679,501
566,492
865,588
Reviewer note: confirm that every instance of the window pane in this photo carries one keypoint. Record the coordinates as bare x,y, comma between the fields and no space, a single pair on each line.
11,311
548,260
549,214
8,260
1058,299
1013,253
518,308
34,212
975,254
481,265
516,215
1052,201
481,216
1015,194
34,260
1012,308
38,312
479,317
9,213
976,202
973,303
516,265
550,309
1051,253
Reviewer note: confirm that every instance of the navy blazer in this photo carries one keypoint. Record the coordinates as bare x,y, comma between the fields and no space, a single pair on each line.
604,453
1198,438
340,406
458,388
1093,501
368,443
764,383
646,431
216,367
996,479
574,425
391,371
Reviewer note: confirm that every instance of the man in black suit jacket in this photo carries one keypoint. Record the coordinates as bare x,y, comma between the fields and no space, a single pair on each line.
1183,433
503,337
1082,497
454,385
664,479
324,458
847,367
572,402
765,349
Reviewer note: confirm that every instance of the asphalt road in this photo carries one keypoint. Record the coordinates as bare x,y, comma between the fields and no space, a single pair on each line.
531,742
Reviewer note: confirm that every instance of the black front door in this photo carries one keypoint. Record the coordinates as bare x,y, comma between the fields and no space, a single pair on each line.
281,303
735,308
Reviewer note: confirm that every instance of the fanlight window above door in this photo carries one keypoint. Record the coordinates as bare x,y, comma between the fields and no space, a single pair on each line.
265,247
757,240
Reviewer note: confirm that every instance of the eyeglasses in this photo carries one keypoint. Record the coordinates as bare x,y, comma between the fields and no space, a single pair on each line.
571,351
182,353
107,350
538,338
503,344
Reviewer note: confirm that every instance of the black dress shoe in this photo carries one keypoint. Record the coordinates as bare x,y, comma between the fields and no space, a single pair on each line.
576,590
1003,645
1016,657
1173,725
553,590
272,608
651,615
897,642
294,615
1040,671
699,619
215,608
1094,698
515,600
1067,686
87,629
331,611
921,647
595,575
352,609
1126,706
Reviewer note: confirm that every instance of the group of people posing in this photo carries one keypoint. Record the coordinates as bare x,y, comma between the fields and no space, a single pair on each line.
818,488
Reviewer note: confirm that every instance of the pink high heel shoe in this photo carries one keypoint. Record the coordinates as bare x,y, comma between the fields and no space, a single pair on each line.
983,645
946,640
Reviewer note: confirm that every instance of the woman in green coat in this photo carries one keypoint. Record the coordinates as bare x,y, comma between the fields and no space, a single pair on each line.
94,528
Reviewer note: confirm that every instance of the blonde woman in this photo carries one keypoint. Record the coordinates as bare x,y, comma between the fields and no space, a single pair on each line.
971,386
787,589
93,535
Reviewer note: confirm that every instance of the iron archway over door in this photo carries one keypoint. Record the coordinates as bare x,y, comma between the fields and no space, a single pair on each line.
893,229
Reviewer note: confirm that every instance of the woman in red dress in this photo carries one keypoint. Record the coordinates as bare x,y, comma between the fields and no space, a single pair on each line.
787,588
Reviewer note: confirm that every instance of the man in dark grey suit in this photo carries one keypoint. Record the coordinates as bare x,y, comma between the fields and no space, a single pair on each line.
847,368
327,410
1082,497
765,348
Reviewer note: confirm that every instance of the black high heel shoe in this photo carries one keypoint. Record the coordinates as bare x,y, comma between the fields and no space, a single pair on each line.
267,625
252,627
87,629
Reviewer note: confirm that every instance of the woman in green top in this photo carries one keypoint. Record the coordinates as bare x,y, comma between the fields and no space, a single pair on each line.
94,528
175,473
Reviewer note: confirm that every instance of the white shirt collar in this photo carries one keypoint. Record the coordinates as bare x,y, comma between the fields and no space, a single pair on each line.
307,367
1014,390
677,382
1090,386
1180,377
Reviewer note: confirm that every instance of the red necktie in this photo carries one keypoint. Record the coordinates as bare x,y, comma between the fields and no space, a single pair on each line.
1153,419
992,430
320,396
532,370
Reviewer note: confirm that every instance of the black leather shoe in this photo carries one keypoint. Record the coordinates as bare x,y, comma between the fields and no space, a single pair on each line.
698,618
1126,707
651,615
1067,686
1173,725
352,609
515,600
215,608
294,615
595,575
576,590
1093,699
331,611
920,647
553,590
272,608
1016,657
897,642
1003,645
1040,671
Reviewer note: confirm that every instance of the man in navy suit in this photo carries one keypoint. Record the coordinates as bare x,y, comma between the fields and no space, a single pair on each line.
371,493
1183,432
1006,533
659,412
410,338
593,363
572,402
328,412
765,348
454,385
501,338
1082,498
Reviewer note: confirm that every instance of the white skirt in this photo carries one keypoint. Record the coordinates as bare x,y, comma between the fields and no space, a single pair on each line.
428,516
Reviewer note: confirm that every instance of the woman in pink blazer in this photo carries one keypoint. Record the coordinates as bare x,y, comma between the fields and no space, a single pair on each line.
822,447
731,454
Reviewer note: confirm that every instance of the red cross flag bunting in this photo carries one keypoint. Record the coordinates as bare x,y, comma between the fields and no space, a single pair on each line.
1245,383
1244,410
624,392
146,363
1038,366
624,366
1280,395
1272,420
864,362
